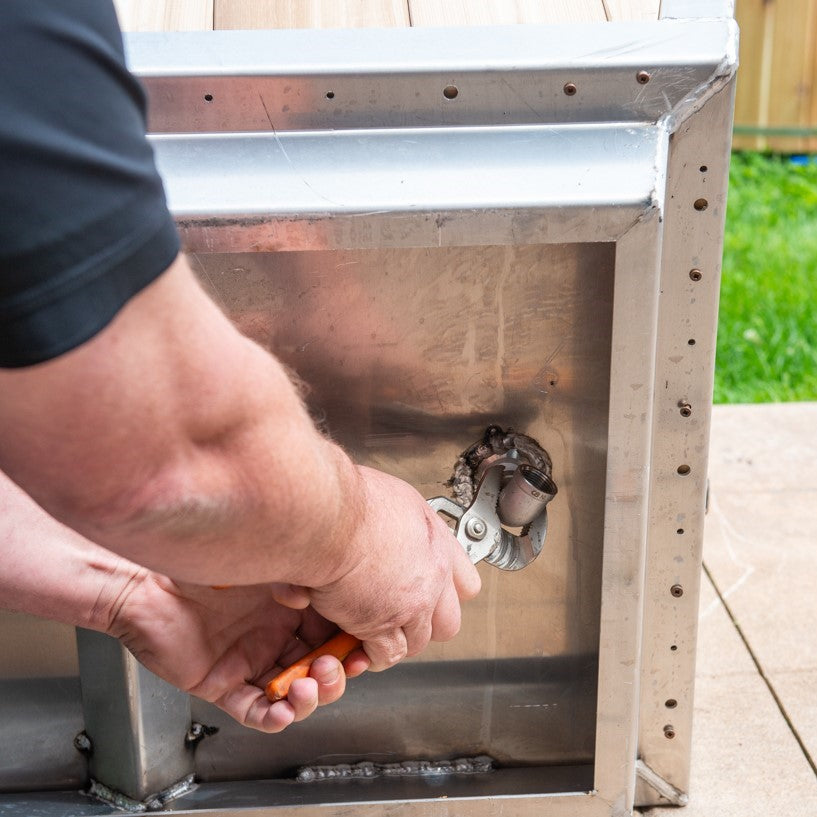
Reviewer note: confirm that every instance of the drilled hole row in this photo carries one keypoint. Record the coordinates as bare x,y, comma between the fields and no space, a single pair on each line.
449,92
570,89
685,408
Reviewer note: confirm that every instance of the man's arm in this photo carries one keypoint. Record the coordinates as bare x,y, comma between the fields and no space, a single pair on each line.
176,442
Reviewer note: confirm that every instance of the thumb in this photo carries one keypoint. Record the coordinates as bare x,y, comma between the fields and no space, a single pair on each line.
290,595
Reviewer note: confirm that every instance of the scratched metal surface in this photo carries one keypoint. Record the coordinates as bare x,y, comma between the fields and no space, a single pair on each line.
407,355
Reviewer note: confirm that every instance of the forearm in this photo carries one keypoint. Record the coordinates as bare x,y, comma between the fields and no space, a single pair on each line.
175,442
53,572
265,498
178,443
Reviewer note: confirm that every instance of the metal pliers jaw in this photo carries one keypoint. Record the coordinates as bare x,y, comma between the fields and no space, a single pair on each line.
523,493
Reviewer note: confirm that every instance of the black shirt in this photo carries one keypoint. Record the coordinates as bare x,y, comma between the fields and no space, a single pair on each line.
83,221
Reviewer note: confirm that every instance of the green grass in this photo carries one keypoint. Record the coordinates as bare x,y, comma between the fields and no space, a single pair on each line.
767,335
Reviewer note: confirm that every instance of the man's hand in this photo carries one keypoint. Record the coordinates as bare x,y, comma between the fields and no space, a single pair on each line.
224,645
404,586
221,645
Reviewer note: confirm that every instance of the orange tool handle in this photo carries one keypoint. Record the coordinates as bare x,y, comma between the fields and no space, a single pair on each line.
340,646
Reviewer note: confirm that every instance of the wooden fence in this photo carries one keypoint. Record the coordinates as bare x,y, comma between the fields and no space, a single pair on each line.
776,106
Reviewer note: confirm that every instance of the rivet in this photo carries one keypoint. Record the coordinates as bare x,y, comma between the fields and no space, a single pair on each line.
82,743
701,204
475,528
696,274
677,591
570,89
642,77
197,733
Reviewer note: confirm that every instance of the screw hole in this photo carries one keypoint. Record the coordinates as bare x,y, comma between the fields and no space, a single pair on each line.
703,168
670,703
677,591
691,342
683,470
570,89
669,731
701,204
674,647
696,274
642,77
208,97
680,531
451,91
330,94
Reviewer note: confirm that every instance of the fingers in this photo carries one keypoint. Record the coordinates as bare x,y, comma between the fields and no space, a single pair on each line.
466,576
249,705
290,595
418,634
386,650
447,616
303,698
356,663
329,674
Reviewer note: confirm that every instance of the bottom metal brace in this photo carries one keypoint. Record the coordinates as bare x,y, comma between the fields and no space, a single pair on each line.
664,789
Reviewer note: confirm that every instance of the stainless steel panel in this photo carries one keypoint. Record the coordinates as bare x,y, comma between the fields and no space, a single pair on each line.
39,718
521,712
409,354
394,78
34,647
408,187
690,280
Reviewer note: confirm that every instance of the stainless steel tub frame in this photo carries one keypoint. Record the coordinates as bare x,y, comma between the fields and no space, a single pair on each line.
638,155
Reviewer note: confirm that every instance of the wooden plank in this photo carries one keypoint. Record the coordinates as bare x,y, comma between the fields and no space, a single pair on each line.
756,20
632,9
811,67
310,13
503,12
165,15
791,83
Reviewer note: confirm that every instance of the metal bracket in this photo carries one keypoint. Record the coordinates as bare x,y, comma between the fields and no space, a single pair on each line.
136,722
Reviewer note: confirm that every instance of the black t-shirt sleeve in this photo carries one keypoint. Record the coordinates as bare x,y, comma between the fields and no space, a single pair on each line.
84,224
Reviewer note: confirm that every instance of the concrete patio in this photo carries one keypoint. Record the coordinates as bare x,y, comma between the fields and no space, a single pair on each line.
755,739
